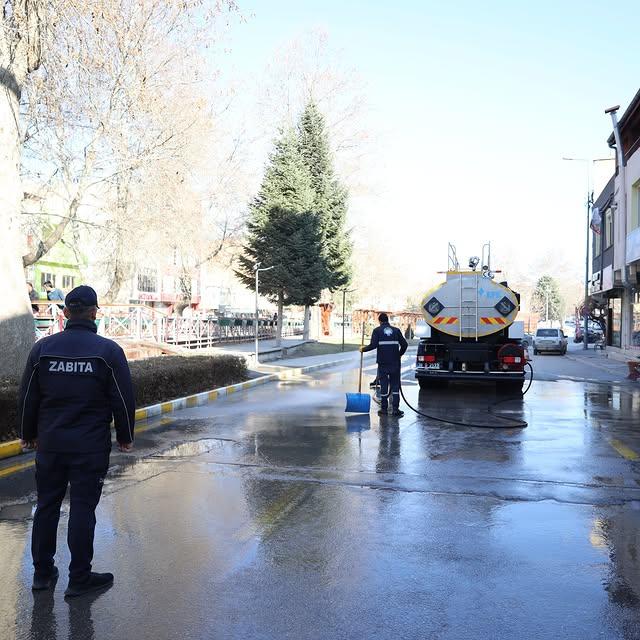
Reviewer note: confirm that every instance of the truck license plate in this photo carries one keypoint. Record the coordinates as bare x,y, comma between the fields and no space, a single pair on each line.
432,365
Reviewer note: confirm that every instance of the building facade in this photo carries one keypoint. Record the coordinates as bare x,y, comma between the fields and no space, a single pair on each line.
624,207
605,291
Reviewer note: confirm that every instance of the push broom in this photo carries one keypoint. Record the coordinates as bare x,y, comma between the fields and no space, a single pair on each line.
359,402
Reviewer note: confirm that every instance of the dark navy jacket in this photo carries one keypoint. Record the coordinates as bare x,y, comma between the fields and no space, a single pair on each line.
390,344
74,383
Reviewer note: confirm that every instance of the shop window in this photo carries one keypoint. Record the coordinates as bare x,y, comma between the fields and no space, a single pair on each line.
615,311
608,228
635,327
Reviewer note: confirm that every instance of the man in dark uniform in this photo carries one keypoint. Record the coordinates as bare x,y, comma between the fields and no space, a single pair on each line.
391,346
74,383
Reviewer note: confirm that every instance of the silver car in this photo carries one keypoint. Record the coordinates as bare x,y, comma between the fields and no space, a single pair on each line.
549,340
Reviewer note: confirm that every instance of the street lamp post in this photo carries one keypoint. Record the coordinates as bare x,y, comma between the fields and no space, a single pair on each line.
257,270
590,162
344,295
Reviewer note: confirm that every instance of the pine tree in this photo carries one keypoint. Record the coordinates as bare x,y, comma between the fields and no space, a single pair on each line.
283,232
330,197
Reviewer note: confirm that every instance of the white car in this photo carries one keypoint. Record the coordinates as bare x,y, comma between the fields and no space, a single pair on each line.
549,340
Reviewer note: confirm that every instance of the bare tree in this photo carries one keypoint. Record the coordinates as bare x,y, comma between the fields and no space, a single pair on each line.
20,55
93,93
309,68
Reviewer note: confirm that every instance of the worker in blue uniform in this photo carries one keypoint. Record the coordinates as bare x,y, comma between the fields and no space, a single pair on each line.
74,384
391,346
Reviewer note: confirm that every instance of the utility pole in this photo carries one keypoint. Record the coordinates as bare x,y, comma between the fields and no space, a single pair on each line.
257,270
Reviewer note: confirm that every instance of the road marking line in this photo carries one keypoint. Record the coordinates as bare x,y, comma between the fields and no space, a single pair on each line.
623,450
16,467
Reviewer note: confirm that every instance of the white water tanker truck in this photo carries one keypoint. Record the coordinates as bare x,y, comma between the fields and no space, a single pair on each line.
471,331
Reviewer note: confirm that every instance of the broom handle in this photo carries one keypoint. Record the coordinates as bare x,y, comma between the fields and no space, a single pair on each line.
361,360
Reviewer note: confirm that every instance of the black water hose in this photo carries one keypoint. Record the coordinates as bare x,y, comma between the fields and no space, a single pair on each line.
510,423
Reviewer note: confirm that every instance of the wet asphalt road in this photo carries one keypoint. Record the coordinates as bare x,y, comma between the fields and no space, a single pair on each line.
272,515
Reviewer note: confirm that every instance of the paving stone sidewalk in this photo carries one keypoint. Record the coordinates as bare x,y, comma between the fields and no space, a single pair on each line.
600,359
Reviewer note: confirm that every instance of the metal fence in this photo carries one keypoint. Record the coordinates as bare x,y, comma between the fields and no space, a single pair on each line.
140,322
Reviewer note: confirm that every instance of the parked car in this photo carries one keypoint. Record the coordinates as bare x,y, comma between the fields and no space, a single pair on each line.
527,341
595,334
549,340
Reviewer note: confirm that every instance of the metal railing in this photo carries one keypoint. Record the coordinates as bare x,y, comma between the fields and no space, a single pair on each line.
140,322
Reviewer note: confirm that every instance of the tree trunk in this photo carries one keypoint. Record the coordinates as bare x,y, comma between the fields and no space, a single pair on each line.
185,294
122,271
17,332
305,329
279,325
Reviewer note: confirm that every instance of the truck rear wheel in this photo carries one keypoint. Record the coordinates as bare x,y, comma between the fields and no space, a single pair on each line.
428,383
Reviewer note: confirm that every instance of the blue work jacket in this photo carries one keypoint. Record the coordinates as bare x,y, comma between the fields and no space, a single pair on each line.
390,344
74,383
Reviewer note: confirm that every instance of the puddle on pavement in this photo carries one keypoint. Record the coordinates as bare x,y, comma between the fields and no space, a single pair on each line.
477,455
196,448
20,511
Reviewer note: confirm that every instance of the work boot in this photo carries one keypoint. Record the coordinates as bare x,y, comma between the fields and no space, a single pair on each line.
94,582
41,583
397,413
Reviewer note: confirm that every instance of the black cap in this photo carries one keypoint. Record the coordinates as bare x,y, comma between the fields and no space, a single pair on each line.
80,297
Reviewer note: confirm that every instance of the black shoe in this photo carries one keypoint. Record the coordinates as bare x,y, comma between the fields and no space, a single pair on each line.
94,582
41,583
397,413
382,412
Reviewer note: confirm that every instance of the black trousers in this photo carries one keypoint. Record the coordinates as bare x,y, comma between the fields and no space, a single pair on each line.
85,473
389,377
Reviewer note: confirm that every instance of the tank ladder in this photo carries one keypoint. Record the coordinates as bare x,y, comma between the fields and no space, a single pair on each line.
468,306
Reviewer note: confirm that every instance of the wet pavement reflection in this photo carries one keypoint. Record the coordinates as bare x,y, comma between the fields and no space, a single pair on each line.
273,514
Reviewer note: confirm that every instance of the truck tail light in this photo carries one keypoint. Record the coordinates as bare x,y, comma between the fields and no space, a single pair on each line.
512,360
427,358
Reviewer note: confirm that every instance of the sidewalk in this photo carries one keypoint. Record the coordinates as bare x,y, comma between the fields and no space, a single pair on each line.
268,349
273,357
598,358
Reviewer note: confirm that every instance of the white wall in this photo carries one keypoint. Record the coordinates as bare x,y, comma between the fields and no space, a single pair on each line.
633,235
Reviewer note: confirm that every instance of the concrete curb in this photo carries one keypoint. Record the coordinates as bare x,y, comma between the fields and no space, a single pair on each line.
13,448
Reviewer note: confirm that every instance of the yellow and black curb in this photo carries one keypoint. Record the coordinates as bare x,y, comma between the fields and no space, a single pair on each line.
13,448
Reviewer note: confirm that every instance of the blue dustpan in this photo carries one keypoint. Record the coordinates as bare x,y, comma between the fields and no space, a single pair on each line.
359,402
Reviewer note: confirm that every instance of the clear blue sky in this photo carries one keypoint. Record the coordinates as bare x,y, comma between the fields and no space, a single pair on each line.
473,105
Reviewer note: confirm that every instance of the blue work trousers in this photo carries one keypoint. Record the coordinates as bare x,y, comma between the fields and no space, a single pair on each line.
389,378
85,474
